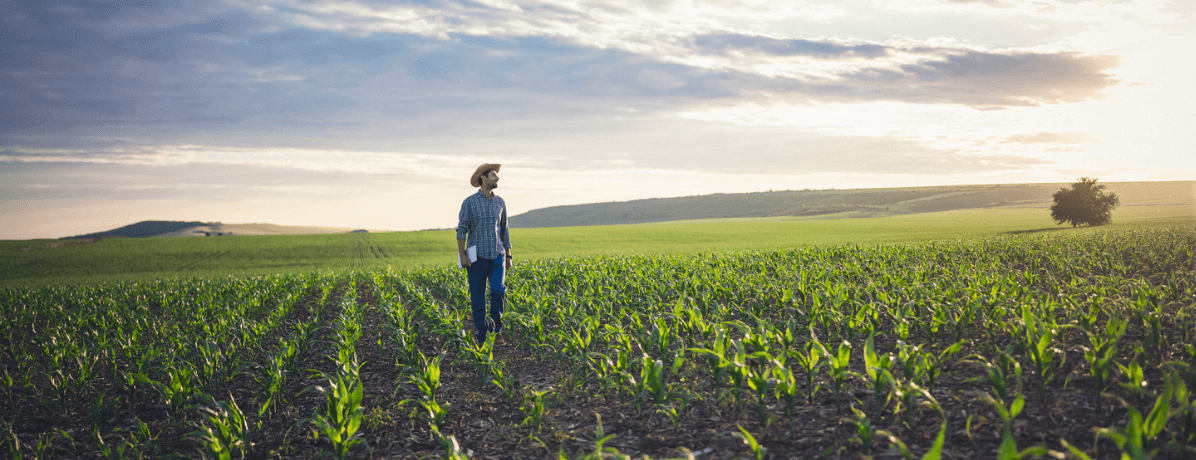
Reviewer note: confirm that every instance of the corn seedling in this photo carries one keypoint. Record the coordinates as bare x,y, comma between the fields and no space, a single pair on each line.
673,415
837,368
761,383
864,430
1183,439
507,382
208,373
132,446
435,411
406,341
905,391
225,430
1138,440
786,388
936,449
809,361
758,450
533,409
1008,448
716,357
343,412
877,367
1101,353
101,409
600,438
182,389
452,449
739,372
1004,376
1135,378
653,377
429,380
1039,347
935,363
271,383
481,356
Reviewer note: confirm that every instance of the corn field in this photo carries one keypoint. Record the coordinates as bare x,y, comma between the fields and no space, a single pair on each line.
1058,345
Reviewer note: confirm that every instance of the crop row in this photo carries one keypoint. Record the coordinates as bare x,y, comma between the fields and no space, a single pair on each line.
1079,322
1002,347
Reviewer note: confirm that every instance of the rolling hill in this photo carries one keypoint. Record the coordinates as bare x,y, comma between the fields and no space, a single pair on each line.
143,229
790,205
835,204
171,229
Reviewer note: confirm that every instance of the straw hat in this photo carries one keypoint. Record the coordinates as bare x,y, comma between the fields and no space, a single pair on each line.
476,180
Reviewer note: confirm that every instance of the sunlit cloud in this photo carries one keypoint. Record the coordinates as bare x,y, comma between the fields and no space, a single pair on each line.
340,161
1057,138
1151,12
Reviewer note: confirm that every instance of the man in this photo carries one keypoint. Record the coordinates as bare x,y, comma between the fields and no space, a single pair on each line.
483,224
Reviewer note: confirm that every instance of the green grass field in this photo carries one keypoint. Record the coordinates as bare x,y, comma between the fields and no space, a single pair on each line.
32,263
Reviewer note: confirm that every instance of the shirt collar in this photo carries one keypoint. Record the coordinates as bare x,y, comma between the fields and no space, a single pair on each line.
483,195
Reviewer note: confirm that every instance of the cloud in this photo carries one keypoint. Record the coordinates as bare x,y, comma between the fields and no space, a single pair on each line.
1012,79
737,42
938,75
1057,138
994,3
193,181
287,67
784,151
312,160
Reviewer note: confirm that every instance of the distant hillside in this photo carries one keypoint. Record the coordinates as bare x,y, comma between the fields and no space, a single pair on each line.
221,229
831,204
173,229
142,229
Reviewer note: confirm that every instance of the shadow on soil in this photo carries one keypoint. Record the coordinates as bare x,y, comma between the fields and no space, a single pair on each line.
1037,230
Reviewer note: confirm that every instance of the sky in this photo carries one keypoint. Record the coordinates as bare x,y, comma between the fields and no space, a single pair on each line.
373,114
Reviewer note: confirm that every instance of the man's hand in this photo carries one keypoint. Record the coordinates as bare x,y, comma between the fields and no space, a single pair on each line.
464,256
509,263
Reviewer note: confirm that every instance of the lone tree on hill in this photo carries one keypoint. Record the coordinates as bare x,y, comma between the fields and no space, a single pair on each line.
1086,203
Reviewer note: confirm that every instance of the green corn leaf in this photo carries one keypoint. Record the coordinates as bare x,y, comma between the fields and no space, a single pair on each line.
870,360
1008,449
936,449
1075,451
894,441
1157,419
354,421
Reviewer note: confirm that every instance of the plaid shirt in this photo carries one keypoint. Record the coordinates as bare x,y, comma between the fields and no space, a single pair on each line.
484,221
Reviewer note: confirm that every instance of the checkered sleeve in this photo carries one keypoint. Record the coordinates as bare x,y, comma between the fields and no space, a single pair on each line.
464,219
503,232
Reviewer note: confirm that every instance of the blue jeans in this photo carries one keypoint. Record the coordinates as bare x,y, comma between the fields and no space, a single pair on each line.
479,272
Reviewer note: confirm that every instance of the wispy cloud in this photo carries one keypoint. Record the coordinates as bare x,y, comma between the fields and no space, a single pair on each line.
284,64
316,160
1057,138
739,43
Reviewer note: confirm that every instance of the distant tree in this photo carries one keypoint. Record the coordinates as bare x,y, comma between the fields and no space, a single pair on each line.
1086,203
